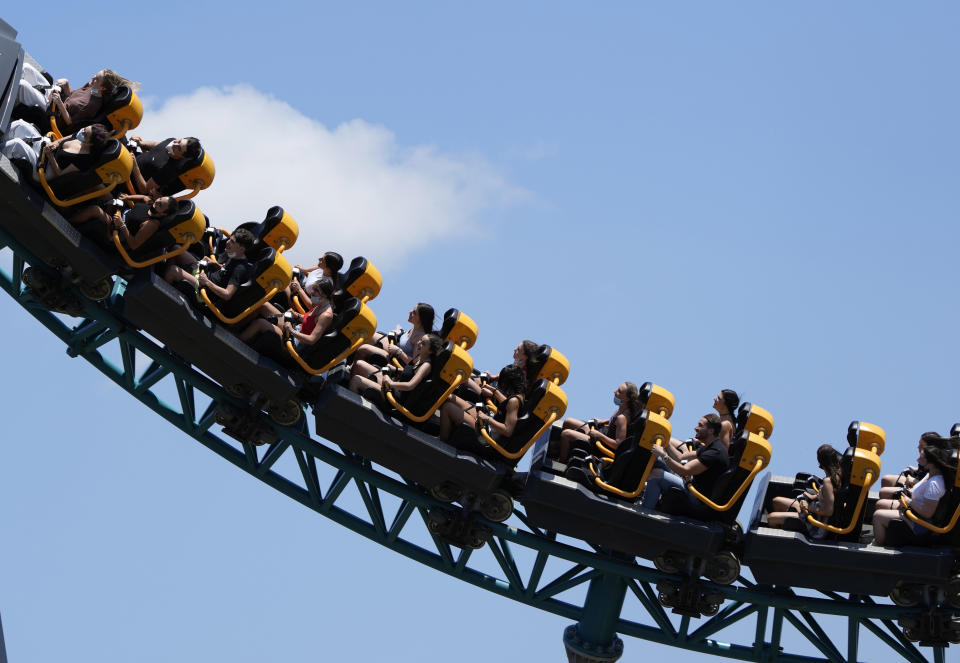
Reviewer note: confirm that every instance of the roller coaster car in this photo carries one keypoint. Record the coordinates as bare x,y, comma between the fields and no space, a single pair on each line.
43,231
834,559
278,229
353,324
452,367
361,279
271,274
174,236
605,518
458,328
955,430
194,174
361,427
151,303
121,111
111,167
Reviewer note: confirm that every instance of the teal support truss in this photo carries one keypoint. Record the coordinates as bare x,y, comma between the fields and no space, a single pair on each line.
531,566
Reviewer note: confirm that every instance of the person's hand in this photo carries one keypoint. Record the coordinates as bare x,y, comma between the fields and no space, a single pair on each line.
203,279
136,138
117,221
659,452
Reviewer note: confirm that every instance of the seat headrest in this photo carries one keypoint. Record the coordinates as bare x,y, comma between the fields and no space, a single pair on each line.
755,419
459,328
955,430
555,367
655,398
864,435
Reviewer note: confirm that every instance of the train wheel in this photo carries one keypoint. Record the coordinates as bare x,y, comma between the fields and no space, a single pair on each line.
496,506
669,562
724,568
668,593
907,595
287,414
97,291
479,535
952,592
238,390
447,492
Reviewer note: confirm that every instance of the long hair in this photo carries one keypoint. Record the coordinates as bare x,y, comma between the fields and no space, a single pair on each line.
829,460
939,458
730,400
426,314
111,80
434,346
512,381
634,406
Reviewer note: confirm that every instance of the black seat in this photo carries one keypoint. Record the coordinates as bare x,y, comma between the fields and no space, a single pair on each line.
626,473
352,325
121,111
271,274
278,229
111,166
544,404
177,232
450,368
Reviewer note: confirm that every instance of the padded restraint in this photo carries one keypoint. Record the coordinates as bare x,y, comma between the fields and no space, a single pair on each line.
459,328
755,419
362,279
656,399
278,229
862,435
556,367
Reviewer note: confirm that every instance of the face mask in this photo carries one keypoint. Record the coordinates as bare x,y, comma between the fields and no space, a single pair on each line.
617,401
80,135
95,92
233,254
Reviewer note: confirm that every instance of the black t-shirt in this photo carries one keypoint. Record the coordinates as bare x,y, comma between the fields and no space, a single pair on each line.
715,457
236,271
157,165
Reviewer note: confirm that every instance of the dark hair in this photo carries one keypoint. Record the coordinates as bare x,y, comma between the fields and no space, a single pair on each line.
714,423
426,314
434,346
940,458
933,439
512,381
98,135
829,460
325,286
334,261
244,238
730,400
171,206
191,148
536,358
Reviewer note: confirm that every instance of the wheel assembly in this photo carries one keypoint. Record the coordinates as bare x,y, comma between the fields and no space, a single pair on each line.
287,414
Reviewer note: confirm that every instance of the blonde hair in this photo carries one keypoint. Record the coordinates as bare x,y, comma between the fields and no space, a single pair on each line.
113,80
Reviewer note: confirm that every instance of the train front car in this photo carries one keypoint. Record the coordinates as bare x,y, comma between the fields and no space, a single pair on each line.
836,553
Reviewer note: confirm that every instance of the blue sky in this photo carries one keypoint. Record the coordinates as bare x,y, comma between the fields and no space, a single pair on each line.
750,195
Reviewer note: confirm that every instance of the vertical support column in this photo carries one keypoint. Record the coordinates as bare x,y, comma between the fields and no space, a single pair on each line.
594,639
3,646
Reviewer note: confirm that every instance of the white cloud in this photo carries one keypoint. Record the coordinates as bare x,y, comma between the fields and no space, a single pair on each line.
352,189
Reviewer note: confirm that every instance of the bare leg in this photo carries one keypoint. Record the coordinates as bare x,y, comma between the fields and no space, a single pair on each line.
569,438
363,369
881,520
359,383
258,326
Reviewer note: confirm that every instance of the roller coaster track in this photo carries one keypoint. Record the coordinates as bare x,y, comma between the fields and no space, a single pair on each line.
529,566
